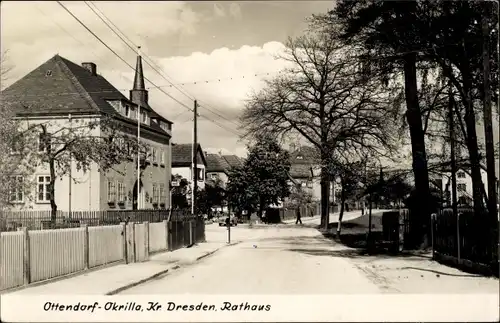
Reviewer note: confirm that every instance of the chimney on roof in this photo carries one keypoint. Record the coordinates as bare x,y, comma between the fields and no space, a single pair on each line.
91,67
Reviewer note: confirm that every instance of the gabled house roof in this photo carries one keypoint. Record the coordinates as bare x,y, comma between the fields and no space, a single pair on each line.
233,160
182,155
302,162
304,155
216,164
61,87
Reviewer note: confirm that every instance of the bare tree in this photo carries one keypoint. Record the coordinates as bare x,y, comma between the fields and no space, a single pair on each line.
5,68
61,144
323,97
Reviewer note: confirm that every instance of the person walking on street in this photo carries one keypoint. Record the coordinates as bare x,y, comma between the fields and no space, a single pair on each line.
298,216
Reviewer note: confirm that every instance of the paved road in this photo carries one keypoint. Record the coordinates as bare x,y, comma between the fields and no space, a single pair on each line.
268,260
291,259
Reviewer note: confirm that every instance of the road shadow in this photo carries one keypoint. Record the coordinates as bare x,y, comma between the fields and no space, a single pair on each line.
360,241
354,253
437,272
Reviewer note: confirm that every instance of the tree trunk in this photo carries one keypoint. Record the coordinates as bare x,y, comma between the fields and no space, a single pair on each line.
491,202
261,207
472,146
413,116
341,213
52,183
325,191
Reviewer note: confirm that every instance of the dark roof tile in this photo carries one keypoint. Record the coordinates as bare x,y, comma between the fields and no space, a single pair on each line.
215,163
233,160
181,155
60,86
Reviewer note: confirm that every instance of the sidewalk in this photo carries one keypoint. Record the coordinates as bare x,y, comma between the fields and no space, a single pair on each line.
111,280
304,219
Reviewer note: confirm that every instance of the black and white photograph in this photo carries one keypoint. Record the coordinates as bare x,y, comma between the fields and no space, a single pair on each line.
246,161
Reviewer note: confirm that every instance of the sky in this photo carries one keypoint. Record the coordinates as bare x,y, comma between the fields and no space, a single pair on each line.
216,52
232,45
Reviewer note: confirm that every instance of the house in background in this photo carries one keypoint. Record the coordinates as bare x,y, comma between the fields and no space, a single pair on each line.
305,169
218,166
60,93
233,160
217,169
464,185
182,162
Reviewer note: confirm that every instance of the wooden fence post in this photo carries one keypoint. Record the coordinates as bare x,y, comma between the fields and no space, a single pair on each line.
458,236
146,240
165,223
204,239
191,239
124,241
86,245
26,256
433,227
170,236
134,247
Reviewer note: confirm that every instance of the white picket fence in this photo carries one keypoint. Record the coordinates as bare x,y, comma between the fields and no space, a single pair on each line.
31,256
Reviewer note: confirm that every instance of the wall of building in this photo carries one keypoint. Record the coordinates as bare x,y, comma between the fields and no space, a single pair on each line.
85,188
466,181
223,177
316,186
153,175
186,173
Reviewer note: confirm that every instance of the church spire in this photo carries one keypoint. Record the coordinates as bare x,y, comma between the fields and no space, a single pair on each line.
139,94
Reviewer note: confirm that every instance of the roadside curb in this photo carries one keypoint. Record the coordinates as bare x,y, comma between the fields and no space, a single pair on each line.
157,275
164,272
207,254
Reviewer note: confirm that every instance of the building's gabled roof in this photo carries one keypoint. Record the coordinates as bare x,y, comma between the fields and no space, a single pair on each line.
216,164
233,160
61,87
182,155
304,155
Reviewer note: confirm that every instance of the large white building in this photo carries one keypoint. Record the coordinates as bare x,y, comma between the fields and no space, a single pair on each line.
62,94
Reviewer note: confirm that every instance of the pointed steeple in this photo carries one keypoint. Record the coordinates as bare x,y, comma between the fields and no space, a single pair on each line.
139,75
139,94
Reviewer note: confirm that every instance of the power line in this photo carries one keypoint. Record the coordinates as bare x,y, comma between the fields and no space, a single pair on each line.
208,107
220,79
146,60
64,29
116,54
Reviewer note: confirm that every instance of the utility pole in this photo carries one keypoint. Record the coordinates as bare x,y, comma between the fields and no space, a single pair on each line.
453,164
70,168
195,159
487,116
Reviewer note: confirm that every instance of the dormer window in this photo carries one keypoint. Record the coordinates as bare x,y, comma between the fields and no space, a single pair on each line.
133,113
165,126
300,157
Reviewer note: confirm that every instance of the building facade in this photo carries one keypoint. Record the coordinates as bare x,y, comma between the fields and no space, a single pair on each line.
217,169
65,96
464,186
306,170
182,164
